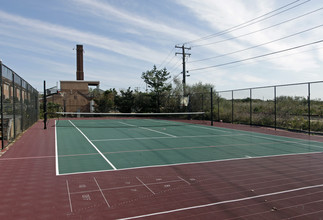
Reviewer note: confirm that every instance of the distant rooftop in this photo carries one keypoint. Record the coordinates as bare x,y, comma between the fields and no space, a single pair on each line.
90,83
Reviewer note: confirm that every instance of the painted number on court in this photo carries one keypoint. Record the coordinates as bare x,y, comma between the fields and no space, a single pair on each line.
86,197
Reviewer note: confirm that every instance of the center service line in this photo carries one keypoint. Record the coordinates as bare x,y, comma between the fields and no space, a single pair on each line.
106,159
149,129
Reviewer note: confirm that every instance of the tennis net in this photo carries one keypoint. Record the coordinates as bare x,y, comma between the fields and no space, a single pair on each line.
127,120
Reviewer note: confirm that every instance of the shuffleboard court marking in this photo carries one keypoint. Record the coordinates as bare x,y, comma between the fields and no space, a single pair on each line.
106,201
224,202
127,187
191,163
145,185
149,129
106,159
69,196
184,180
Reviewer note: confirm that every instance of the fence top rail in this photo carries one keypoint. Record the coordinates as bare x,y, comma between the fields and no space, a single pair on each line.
22,79
264,87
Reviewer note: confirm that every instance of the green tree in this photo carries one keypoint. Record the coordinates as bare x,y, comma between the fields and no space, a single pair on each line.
200,96
125,101
105,102
156,81
143,103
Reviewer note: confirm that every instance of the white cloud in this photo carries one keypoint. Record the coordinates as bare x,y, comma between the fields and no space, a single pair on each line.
130,49
151,26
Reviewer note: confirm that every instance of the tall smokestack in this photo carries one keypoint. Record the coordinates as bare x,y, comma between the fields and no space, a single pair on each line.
79,62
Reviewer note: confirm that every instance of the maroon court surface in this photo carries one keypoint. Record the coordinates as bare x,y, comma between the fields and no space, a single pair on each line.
281,187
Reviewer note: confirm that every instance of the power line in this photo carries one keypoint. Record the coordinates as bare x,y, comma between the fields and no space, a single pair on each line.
170,53
175,66
168,62
272,58
253,32
250,22
256,57
269,42
174,77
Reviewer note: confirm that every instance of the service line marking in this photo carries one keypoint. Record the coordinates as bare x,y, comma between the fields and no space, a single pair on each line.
192,125
145,186
170,137
106,201
148,129
285,141
189,163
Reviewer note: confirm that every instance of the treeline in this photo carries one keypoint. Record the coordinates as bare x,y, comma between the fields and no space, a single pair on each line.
161,96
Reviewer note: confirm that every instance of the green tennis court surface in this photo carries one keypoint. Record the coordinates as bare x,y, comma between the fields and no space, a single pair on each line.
100,145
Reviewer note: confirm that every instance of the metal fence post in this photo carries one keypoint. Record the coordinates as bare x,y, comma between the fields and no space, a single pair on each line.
250,106
14,104
309,108
275,99
202,102
21,108
218,107
211,106
232,108
45,106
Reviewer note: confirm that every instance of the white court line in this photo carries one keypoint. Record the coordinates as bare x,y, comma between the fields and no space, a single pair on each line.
106,159
145,186
192,125
254,132
148,129
69,196
224,202
189,163
285,141
168,149
177,137
106,201
56,154
180,148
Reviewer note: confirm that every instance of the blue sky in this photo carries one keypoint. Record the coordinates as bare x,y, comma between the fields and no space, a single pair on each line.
123,38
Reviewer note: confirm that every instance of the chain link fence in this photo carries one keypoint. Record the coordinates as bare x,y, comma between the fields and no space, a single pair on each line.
297,107
19,105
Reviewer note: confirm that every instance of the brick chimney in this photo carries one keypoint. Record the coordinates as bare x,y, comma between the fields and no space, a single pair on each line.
79,62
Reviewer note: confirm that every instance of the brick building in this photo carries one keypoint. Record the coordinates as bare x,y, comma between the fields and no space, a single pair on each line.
74,96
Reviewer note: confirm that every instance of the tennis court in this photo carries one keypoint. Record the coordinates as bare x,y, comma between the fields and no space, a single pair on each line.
114,144
127,168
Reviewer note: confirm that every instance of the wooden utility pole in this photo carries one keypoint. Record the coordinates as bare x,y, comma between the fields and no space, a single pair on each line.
184,54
